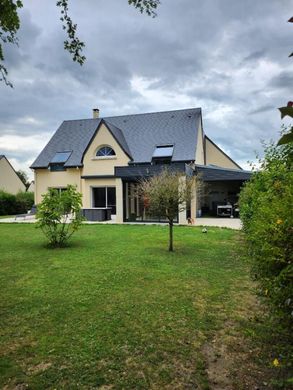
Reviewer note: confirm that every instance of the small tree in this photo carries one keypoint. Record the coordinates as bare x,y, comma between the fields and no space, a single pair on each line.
167,194
59,215
23,177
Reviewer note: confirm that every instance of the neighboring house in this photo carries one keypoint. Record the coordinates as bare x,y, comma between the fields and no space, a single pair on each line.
9,180
106,157
31,187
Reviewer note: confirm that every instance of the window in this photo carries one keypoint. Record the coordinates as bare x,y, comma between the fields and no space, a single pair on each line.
163,151
163,154
60,157
59,190
105,151
57,167
58,161
105,197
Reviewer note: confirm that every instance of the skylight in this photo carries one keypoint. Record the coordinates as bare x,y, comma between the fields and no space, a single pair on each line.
163,151
60,157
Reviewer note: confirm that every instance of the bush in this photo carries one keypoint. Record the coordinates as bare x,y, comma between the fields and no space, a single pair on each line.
59,215
7,203
266,212
24,202
15,204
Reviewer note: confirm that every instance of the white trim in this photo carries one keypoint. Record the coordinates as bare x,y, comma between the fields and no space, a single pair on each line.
106,197
104,158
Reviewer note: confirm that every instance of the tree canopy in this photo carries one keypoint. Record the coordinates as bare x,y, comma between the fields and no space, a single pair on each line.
10,24
166,195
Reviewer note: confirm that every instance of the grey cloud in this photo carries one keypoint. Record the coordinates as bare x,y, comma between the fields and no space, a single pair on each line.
260,110
206,52
256,55
284,80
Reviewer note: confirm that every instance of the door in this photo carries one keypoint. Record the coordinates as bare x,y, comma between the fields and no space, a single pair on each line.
105,197
111,199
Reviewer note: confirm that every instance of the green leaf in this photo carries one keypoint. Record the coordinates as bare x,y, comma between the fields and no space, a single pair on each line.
286,111
286,138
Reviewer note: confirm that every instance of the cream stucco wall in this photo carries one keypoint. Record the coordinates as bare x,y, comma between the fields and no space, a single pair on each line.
93,166
199,157
9,181
103,166
45,179
215,156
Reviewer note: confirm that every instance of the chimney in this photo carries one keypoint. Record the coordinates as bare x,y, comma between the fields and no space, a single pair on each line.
96,113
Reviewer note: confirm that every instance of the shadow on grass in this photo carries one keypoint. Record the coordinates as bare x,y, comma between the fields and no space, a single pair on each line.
74,244
163,250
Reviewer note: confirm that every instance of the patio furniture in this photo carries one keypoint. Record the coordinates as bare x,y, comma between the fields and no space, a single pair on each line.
225,211
31,213
97,214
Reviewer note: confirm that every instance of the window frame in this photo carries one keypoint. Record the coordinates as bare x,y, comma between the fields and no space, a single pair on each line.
105,187
105,157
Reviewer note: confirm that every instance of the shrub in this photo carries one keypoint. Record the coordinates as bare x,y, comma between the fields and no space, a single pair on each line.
7,203
15,204
266,212
24,202
59,215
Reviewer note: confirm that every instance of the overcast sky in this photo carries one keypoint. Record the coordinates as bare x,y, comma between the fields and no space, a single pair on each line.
228,57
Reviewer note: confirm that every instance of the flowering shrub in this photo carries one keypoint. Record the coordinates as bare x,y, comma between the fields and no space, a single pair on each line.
266,212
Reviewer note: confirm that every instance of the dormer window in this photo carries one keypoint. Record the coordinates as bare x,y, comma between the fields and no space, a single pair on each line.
58,161
105,151
163,154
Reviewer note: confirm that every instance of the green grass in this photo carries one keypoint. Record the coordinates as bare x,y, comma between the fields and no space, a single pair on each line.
115,307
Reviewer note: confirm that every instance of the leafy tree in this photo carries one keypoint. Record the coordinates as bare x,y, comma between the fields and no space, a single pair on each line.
167,194
266,212
59,215
10,23
287,111
288,135
23,177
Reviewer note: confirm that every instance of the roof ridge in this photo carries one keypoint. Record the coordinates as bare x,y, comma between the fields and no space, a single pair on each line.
153,112
141,113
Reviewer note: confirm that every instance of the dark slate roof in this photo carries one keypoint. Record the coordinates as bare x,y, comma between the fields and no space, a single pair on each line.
118,135
137,134
137,172
72,136
214,173
143,132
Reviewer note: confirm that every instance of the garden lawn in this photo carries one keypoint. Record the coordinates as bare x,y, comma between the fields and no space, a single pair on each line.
115,308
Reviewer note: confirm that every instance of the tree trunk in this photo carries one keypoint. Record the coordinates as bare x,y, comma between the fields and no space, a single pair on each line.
170,236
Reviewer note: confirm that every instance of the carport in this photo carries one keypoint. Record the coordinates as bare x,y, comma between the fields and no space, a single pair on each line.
221,187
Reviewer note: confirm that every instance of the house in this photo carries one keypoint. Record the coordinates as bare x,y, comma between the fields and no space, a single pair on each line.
9,179
106,157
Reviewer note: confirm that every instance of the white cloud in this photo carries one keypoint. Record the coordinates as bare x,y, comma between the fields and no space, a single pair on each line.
18,143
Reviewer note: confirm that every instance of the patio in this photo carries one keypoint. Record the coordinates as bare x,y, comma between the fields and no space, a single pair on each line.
231,223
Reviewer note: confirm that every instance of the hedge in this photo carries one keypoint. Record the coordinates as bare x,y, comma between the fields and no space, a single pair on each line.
267,216
15,204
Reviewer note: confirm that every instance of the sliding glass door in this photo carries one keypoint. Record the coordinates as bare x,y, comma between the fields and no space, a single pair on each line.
104,197
136,208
